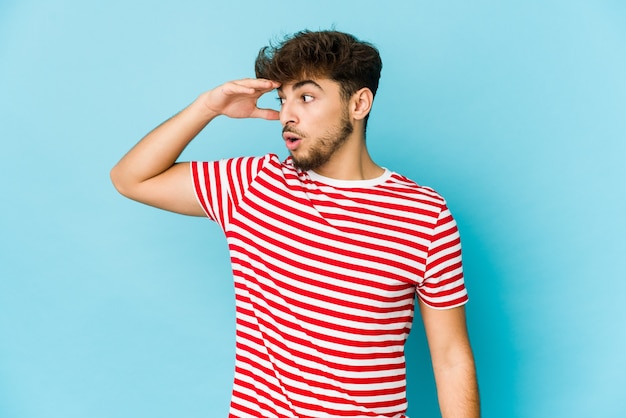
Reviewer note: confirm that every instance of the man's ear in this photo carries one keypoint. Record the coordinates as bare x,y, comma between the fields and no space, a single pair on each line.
361,103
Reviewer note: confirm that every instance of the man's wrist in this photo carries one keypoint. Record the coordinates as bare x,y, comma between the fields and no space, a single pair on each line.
201,110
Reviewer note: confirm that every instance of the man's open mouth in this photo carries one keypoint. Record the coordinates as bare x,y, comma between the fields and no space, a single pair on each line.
291,140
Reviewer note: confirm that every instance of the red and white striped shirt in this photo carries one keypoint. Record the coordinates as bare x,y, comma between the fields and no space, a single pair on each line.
325,276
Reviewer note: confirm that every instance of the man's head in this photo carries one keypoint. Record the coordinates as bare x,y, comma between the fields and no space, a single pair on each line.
328,81
333,55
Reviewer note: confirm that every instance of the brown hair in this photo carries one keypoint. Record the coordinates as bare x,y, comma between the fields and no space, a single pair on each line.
325,54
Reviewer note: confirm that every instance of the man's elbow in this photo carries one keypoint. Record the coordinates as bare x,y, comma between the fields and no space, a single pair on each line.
120,181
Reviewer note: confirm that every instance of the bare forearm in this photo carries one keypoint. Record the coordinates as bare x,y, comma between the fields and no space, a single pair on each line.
159,150
457,389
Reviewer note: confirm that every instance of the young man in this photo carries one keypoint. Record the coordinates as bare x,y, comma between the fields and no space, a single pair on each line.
328,248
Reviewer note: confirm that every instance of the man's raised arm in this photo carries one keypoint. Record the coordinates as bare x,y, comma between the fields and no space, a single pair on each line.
149,173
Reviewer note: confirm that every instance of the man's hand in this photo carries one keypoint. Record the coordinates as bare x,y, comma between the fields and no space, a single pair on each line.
238,99
149,173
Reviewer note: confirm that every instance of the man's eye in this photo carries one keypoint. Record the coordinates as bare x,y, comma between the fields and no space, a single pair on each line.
281,101
306,98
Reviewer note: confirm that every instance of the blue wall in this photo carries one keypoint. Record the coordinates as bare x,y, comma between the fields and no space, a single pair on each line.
515,111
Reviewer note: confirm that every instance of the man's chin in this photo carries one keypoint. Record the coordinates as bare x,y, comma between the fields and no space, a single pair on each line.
303,164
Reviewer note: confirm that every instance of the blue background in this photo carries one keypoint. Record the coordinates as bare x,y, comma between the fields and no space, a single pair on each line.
514,111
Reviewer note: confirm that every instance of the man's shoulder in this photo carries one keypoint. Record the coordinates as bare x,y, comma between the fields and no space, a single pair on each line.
410,187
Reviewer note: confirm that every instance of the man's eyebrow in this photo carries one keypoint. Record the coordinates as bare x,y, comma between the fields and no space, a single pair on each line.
300,84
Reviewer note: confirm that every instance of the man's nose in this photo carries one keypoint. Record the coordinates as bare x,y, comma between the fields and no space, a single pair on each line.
287,114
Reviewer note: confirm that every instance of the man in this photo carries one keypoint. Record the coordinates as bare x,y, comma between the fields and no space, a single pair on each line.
328,248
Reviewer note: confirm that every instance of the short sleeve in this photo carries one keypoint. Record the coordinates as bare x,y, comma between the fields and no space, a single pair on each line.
220,185
444,286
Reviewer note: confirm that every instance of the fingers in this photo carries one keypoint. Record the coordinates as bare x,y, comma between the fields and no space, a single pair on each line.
252,86
238,99
263,86
269,114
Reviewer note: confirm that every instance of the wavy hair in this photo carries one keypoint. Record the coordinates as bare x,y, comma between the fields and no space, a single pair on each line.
338,56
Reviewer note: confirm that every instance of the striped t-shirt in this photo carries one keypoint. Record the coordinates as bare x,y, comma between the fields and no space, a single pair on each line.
325,276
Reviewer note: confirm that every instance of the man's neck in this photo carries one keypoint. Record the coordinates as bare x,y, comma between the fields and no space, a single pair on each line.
351,162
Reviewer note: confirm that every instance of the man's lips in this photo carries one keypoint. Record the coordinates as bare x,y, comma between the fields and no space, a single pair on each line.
292,140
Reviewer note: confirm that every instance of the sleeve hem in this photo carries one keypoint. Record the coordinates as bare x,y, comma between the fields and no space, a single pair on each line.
193,178
445,305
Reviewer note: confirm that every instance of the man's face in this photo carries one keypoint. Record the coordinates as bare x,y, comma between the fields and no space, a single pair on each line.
315,121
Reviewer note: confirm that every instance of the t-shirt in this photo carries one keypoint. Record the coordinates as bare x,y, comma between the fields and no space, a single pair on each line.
325,275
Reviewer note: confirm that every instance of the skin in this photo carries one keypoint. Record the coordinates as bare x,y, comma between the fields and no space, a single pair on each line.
313,112
310,149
